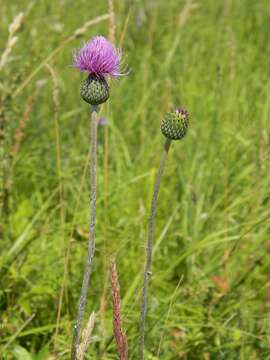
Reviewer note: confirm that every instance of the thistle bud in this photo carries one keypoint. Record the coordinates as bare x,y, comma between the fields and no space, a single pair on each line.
95,90
175,124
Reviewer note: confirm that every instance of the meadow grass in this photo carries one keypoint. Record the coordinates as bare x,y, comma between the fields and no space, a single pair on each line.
209,291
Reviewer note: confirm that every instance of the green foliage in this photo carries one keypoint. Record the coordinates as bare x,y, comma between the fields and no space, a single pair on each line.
209,292
22,354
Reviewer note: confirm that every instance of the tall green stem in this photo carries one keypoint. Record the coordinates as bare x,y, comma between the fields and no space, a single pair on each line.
91,243
149,250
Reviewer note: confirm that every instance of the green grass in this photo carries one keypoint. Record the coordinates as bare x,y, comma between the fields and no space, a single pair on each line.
209,293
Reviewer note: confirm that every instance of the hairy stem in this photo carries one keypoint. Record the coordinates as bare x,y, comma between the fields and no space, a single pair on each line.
149,249
91,243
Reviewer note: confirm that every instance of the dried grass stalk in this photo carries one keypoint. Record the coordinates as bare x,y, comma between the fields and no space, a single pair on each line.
12,39
19,134
112,25
86,337
264,152
120,337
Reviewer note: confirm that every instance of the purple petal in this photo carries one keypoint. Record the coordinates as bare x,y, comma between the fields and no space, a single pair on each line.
99,56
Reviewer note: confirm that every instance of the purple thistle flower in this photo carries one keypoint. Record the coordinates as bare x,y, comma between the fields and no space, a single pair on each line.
99,57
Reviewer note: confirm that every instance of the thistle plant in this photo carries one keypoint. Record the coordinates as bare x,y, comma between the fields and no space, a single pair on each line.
174,126
99,59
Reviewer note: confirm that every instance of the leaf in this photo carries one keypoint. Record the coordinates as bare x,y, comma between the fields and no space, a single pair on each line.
21,353
25,234
42,290
43,354
237,335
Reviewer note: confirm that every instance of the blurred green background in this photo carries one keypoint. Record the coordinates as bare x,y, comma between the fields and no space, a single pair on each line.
210,288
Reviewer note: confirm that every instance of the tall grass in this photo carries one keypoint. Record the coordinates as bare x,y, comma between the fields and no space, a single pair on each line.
209,295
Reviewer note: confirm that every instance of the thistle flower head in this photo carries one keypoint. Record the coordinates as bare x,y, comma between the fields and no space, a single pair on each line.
175,124
99,57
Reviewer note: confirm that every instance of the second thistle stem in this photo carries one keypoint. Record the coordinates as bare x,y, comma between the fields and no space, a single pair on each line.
91,243
149,250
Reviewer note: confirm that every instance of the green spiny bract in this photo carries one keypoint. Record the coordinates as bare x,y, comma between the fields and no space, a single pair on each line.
175,124
95,90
